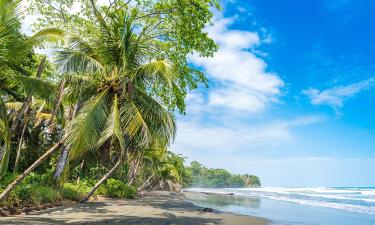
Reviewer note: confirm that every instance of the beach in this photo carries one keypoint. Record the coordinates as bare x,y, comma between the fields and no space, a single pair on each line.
156,208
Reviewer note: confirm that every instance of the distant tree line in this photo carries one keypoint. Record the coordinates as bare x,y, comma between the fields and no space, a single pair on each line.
197,175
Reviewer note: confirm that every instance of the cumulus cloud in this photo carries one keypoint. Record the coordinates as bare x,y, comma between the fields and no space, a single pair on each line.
244,83
336,96
218,118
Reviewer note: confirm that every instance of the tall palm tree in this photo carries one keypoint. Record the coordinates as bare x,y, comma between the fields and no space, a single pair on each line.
114,75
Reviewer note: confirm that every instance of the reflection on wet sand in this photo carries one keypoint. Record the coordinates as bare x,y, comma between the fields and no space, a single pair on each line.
223,200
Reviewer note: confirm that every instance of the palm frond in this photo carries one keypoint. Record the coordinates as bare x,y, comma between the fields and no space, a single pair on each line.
79,86
113,127
10,12
79,57
39,88
53,35
162,70
83,132
134,124
13,105
36,87
161,122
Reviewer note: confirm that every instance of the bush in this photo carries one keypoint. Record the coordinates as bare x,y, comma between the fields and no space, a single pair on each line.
74,192
117,189
11,201
7,179
70,192
39,179
31,195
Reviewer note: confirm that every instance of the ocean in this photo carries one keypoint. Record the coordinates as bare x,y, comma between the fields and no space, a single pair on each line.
292,206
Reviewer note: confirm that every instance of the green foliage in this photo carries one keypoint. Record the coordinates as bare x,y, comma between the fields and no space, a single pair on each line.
73,192
119,76
35,194
118,189
7,179
179,33
200,176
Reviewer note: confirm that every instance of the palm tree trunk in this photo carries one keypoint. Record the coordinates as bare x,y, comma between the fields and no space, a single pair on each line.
18,114
2,151
31,168
26,104
58,102
146,182
20,145
133,172
61,162
101,181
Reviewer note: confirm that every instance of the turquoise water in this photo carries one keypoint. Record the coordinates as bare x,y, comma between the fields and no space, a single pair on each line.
292,206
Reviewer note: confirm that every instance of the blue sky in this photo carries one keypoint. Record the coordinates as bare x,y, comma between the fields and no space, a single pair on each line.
291,93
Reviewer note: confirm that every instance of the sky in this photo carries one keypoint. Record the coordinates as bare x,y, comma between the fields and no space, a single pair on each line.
291,93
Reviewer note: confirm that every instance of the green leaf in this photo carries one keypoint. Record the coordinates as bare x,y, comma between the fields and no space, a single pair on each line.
83,132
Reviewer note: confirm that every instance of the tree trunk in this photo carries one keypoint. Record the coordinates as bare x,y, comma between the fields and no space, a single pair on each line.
61,162
101,181
25,106
58,102
133,172
20,178
146,182
60,165
20,145
2,151
18,114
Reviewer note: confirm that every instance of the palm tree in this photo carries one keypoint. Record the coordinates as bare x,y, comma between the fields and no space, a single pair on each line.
114,75
161,167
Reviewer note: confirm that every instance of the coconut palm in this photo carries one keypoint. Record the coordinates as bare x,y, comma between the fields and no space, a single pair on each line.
114,75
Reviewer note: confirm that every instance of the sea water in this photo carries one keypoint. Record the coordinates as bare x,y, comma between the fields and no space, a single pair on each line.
292,206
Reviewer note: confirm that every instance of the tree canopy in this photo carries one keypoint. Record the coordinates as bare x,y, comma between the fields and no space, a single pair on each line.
200,176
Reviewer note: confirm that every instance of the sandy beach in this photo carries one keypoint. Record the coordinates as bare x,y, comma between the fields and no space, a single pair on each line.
155,208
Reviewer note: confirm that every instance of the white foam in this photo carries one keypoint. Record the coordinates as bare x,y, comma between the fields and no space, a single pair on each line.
348,207
351,199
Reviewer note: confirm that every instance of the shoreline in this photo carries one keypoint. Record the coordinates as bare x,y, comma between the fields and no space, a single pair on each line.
157,208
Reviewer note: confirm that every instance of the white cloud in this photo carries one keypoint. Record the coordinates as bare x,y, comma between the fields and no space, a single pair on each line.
218,118
336,96
234,136
244,84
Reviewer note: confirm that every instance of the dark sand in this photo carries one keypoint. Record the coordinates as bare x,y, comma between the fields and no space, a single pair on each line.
154,208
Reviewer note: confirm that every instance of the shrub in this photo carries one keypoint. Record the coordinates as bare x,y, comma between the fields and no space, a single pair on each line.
73,191
117,189
11,201
70,192
31,195
7,179
40,179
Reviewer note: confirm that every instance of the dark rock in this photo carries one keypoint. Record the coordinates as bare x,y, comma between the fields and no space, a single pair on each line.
208,210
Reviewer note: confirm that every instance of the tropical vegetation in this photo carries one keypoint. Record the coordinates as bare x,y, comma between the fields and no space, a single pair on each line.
88,101
198,175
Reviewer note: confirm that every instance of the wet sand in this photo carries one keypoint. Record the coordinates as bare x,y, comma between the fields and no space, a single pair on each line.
156,208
